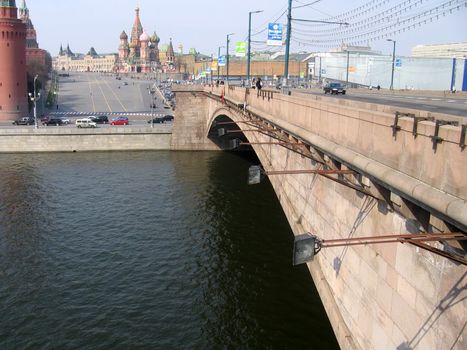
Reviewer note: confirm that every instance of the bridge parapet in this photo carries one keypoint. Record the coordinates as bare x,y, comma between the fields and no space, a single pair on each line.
437,161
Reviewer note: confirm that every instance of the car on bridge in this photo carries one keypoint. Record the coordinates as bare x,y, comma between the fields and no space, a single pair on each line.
65,120
24,121
334,88
85,123
157,120
120,121
100,119
53,121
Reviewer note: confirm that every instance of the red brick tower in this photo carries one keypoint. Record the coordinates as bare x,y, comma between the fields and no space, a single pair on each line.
13,81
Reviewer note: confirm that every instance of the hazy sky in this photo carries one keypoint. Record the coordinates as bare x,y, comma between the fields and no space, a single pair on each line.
203,24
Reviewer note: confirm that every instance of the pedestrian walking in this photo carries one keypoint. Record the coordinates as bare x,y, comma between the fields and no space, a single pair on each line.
259,84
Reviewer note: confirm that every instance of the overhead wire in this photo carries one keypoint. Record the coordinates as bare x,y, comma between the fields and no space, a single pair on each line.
402,24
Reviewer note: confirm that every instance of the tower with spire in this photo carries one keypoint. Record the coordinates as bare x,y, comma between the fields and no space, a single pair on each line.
13,87
33,52
31,35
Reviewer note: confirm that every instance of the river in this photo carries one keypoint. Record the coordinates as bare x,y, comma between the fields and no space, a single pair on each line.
149,250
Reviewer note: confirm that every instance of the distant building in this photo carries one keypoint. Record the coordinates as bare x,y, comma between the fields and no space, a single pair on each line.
364,50
13,80
33,52
141,53
91,62
457,50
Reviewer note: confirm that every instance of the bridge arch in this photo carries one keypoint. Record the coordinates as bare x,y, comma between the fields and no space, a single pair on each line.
227,129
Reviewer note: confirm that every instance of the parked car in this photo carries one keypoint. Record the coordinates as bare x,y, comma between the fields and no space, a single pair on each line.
168,118
120,121
334,88
44,119
85,123
53,121
24,121
65,120
100,119
157,120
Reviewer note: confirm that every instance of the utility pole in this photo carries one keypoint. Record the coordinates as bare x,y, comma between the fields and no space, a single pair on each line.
393,62
319,80
289,33
249,47
348,59
287,45
227,58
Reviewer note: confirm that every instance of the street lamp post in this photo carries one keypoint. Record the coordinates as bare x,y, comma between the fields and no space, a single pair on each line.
227,56
393,62
249,46
34,98
348,61
287,44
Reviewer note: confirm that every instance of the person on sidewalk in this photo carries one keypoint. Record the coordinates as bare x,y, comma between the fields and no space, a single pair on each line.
259,84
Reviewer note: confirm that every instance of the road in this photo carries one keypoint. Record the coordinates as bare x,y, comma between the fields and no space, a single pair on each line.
86,94
445,104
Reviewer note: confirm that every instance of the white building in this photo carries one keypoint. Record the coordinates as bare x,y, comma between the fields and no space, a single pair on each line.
457,50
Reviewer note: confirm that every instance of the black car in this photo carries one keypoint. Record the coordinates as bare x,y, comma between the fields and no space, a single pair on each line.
24,121
168,118
100,119
334,88
157,120
54,121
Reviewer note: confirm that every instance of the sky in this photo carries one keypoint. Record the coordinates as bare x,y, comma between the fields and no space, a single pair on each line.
204,24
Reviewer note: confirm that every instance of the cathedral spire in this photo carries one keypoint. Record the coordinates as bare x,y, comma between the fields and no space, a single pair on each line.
137,29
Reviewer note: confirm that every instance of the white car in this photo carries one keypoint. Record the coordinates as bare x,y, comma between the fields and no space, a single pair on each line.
85,123
65,120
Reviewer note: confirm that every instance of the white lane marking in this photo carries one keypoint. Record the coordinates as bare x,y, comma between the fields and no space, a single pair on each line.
421,98
436,99
451,101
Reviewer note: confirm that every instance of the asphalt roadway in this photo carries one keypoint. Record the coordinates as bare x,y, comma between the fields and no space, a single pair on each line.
443,103
92,94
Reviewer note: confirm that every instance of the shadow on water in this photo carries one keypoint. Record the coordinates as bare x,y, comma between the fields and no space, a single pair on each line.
256,298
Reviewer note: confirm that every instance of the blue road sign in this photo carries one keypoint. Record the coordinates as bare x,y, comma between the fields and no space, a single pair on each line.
221,61
275,33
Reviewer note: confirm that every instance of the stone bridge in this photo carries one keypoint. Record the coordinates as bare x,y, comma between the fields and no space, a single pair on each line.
408,175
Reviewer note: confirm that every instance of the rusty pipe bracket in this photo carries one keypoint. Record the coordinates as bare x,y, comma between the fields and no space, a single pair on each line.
416,120
463,132
395,127
436,138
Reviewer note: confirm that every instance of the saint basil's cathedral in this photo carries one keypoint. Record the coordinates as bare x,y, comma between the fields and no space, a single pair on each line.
141,53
